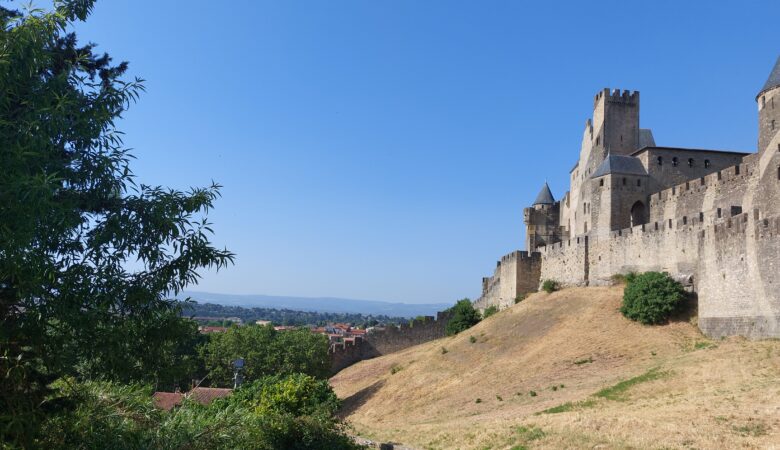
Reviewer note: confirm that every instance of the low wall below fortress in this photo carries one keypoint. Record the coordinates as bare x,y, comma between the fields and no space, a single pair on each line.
380,342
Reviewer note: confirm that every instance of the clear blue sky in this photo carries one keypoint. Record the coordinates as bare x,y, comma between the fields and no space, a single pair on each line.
385,149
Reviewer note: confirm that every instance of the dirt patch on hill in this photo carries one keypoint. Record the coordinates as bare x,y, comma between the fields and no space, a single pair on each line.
557,352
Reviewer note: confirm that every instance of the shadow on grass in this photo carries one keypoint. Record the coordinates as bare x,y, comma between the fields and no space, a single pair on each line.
359,398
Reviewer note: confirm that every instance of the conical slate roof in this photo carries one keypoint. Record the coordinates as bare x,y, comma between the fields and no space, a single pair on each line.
774,79
545,196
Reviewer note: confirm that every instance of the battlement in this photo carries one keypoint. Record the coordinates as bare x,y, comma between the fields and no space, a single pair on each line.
517,255
616,96
735,175
381,341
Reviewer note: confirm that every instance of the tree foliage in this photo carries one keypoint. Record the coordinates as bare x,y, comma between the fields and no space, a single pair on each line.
651,297
281,412
265,352
87,255
463,316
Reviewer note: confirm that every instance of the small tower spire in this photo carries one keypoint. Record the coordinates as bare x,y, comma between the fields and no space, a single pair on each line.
774,79
545,196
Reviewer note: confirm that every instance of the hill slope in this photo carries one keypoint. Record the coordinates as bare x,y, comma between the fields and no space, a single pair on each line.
683,391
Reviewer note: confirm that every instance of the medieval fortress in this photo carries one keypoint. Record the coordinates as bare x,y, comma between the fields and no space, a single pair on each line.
709,218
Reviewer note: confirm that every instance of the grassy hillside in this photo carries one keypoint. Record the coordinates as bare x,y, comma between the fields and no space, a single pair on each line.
566,370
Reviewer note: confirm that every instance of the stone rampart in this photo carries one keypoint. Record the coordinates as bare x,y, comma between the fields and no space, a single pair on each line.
516,274
709,233
566,262
378,342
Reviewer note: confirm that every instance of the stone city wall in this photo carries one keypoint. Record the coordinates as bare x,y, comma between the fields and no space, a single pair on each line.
709,233
378,342
566,262
516,274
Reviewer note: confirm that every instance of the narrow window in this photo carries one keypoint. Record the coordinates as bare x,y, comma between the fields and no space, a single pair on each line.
778,173
674,161
685,220
670,223
778,148
624,181
773,124
690,162
661,158
598,139
601,182
720,213
701,217
639,182
763,102
736,170
706,163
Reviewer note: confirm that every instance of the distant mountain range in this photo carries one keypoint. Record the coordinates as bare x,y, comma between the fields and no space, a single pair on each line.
318,304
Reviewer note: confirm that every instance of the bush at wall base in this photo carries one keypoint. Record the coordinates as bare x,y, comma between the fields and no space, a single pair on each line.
464,316
489,311
651,297
550,286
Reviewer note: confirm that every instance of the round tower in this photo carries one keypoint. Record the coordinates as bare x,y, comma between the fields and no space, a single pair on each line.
769,111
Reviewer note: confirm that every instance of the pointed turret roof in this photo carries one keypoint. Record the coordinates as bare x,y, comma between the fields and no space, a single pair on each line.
774,79
545,196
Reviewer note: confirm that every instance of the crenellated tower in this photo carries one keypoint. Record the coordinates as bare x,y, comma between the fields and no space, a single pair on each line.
616,118
769,111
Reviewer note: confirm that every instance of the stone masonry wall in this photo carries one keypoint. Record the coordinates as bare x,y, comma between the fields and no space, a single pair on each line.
380,342
566,262
516,274
720,233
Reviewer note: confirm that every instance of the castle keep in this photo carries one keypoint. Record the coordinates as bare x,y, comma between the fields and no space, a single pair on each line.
709,218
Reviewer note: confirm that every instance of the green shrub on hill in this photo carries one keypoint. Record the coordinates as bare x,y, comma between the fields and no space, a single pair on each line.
463,317
550,286
489,311
651,297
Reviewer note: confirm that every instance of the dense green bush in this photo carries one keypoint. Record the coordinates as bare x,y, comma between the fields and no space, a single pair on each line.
550,286
489,311
463,317
651,297
279,412
265,352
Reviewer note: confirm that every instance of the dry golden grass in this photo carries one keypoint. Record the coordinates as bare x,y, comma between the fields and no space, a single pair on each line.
699,393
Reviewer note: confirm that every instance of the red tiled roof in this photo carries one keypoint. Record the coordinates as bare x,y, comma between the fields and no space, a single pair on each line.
205,395
202,395
167,400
